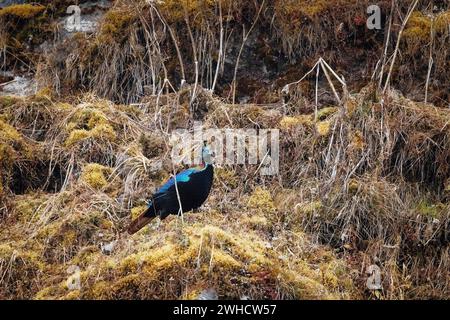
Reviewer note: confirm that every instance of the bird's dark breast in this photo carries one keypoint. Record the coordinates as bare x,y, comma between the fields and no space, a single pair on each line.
192,194
195,193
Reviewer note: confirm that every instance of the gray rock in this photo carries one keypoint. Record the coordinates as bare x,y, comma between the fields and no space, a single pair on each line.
5,3
208,294
19,86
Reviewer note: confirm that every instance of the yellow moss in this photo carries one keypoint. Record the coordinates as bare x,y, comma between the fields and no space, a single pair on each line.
69,238
442,22
106,224
149,259
104,131
290,15
193,294
63,106
131,110
224,260
87,256
243,248
133,150
233,258
115,24
45,293
256,222
73,295
228,177
100,290
351,105
307,287
329,277
8,133
313,8
293,122
357,141
12,145
286,199
50,230
44,94
20,269
28,205
353,186
323,128
430,209
175,10
77,136
22,11
324,113
96,118
89,116
7,101
72,126
418,27
261,200
137,211
295,9
308,208
94,175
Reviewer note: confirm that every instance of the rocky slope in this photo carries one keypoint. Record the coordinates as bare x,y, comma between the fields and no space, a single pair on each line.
364,178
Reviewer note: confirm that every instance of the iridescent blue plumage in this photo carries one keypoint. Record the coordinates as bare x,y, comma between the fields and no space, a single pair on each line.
190,188
183,176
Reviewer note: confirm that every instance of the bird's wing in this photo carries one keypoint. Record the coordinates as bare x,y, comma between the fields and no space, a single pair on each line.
183,176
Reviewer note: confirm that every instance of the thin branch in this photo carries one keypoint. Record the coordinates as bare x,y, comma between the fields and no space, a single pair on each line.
244,40
220,48
386,45
175,42
317,93
430,61
329,81
194,53
397,46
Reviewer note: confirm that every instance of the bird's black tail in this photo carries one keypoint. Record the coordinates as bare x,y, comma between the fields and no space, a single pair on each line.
145,218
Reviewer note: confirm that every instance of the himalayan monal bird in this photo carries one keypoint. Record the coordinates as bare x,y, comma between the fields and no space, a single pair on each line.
190,187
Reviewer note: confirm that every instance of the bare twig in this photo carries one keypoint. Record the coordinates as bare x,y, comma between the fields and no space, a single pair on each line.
397,46
330,82
175,42
194,54
245,36
430,61
317,93
220,48
386,45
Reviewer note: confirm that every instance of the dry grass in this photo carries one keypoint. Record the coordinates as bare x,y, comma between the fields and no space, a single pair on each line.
173,260
366,180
